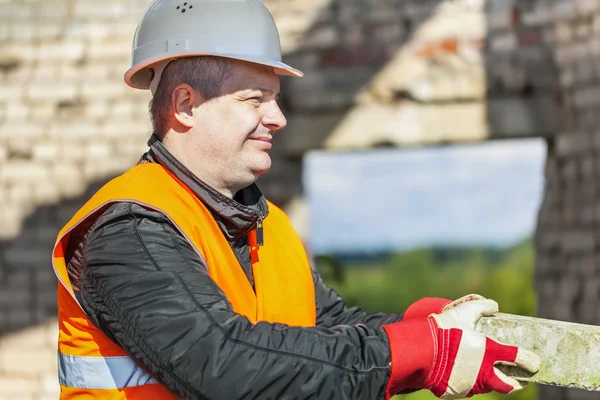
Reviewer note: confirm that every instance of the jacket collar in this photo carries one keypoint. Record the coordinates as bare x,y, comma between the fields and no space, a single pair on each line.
236,217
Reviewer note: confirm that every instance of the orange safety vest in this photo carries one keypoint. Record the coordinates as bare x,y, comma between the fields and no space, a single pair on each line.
92,366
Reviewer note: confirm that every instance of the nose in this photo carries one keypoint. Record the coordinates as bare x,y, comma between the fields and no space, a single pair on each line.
273,118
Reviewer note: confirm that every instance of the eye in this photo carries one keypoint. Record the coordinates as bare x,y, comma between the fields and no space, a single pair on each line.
255,101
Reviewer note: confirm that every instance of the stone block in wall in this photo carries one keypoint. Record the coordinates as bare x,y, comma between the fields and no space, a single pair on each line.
42,112
18,388
18,172
587,97
26,362
572,143
45,193
25,257
99,90
50,388
505,42
74,130
130,129
11,217
19,52
49,30
578,241
109,50
585,7
97,109
97,150
21,194
61,51
98,169
51,90
69,179
109,9
11,91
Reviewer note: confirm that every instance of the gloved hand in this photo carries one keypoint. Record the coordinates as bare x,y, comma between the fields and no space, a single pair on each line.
434,305
445,354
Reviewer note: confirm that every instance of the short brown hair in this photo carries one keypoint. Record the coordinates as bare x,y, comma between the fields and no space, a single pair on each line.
204,73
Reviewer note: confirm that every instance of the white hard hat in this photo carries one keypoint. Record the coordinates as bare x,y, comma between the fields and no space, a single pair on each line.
170,29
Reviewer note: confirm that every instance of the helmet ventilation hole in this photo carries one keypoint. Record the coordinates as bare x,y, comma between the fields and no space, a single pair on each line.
183,8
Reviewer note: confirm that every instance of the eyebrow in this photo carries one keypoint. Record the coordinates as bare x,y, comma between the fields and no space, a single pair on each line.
269,92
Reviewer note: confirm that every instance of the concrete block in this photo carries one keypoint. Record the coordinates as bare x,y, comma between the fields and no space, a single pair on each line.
17,388
97,90
570,352
98,150
69,179
11,91
23,130
42,112
52,91
46,193
75,130
110,50
26,362
17,172
62,51
50,29
11,219
46,152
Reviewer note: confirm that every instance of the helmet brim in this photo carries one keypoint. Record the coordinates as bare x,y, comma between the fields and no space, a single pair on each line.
139,77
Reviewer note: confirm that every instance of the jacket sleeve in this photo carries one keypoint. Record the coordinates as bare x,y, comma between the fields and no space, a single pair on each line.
333,311
144,285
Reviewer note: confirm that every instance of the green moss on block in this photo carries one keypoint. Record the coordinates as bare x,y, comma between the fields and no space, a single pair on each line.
570,353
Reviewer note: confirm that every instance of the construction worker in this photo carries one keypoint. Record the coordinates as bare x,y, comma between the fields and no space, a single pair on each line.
179,280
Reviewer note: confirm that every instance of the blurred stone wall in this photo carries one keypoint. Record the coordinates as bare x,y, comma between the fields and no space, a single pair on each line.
68,123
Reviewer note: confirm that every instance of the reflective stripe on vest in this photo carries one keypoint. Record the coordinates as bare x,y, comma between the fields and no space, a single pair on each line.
100,372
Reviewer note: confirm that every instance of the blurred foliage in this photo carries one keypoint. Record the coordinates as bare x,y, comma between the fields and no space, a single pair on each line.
390,283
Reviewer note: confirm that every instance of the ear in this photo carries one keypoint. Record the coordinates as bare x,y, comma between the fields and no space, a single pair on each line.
183,101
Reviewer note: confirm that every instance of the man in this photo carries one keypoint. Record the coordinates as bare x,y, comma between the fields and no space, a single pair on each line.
179,280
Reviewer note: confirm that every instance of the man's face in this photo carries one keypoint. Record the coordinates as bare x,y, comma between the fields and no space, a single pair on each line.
234,131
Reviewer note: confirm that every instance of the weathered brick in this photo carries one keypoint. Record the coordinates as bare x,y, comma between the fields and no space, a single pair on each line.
18,388
75,130
18,297
52,91
61,51
11,91
50,386
18,51
92,10
42,112
15,130
102,169
54,10
26,362
48,30
16,172
44,72
48,151
127,128
21,194
98,150
69,179
109,50
11,218
98,90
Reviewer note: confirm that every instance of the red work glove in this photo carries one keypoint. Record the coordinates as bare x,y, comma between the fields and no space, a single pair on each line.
433,305
445,354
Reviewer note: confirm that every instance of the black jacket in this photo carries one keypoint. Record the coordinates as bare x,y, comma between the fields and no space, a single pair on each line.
142,284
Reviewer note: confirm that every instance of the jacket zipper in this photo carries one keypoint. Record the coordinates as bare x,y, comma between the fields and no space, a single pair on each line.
260,240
